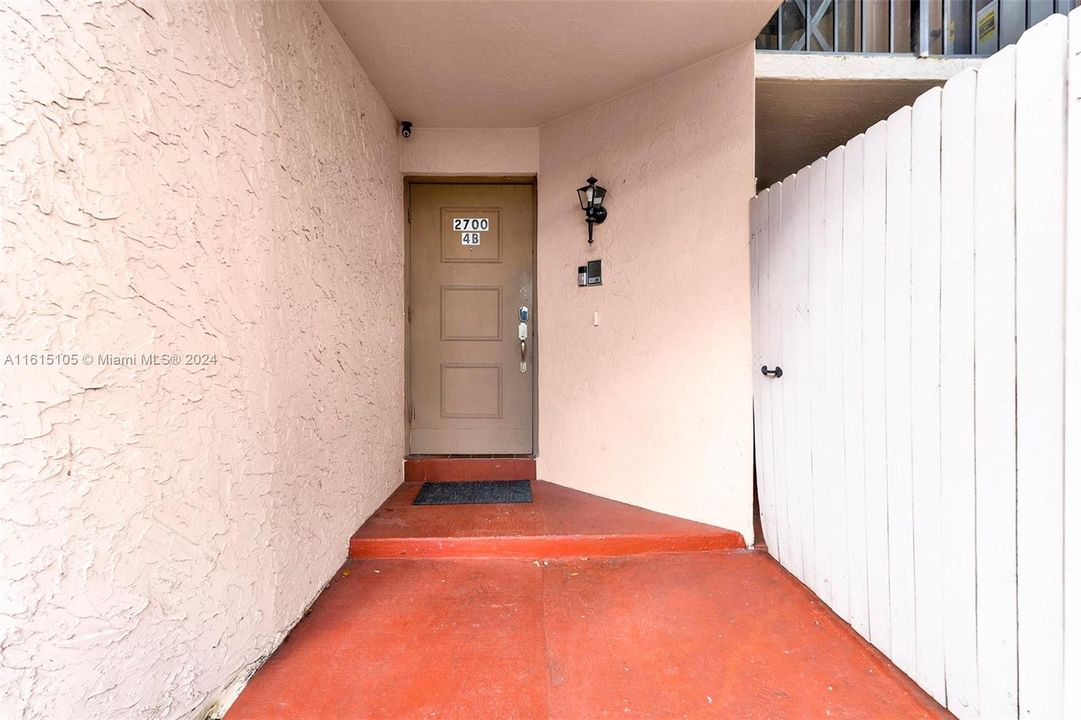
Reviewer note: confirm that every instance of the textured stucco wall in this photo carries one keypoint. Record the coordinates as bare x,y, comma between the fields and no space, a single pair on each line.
188,177
471,151
653,405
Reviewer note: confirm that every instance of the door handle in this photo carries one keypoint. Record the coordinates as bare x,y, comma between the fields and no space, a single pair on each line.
775,372
523,333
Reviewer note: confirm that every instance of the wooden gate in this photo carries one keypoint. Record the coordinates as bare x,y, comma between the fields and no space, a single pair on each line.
918,456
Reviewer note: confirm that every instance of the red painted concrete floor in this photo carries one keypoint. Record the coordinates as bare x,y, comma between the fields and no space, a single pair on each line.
714,634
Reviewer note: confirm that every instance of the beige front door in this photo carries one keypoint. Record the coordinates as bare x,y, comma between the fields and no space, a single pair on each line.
471,275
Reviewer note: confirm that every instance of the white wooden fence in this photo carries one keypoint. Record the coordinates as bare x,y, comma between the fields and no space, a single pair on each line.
919,460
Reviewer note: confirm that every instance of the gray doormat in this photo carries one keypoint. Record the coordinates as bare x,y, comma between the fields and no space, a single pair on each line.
481,492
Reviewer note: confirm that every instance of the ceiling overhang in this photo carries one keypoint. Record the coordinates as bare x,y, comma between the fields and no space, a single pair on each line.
473,63
806,104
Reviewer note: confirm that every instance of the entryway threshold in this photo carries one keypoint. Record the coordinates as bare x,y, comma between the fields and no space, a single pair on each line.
440,468
559,523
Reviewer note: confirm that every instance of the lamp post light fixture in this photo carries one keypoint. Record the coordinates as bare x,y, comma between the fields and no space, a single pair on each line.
591,196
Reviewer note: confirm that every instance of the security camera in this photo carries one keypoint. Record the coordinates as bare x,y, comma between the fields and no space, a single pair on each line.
407,128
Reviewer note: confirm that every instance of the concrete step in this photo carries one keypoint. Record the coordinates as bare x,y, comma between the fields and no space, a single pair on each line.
559,523
441,469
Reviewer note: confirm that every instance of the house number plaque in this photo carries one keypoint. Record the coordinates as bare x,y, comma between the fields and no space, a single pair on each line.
470,228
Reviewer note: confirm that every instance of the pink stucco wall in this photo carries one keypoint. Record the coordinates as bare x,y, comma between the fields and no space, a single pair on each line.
185,177
471,151
652,406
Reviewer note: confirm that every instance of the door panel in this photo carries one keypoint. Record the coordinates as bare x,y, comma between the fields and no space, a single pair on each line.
471,269
472,313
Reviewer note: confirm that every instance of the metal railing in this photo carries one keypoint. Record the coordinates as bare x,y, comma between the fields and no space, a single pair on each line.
920,27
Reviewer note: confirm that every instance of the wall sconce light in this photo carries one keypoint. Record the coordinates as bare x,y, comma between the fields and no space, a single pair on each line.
591,196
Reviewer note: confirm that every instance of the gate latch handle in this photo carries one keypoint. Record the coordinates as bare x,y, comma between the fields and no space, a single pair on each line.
775,372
